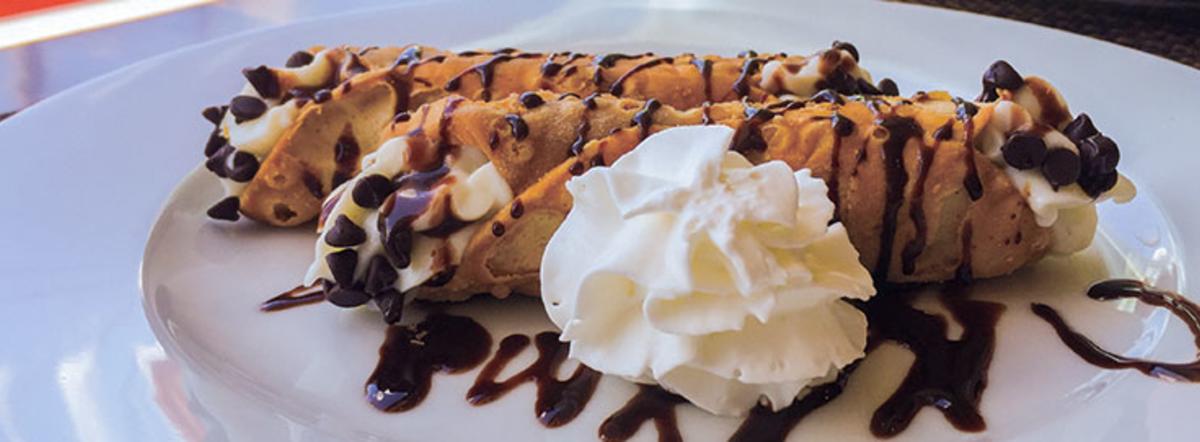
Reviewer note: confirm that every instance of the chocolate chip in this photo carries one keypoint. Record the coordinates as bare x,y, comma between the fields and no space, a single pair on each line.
214,114
1061,167
398,247
215,142
371,191
520,130
322,96
517,209
839,81
497,229
341,265
298,59
441,278
842,126
866,88
242,167
597,161
345,233
245,107
1095,185
750,53
576,169
347,297
846,47
965,109
1002,75
391,304
1080,128
226,209
944,132
1024,151
401,117
826,96
531,100
263,81
217,162
888,87
1100,155
380,275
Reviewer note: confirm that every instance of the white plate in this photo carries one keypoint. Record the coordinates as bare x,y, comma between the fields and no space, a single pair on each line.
91,166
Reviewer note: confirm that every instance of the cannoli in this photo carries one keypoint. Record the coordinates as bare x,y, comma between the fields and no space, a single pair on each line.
930,188
295,133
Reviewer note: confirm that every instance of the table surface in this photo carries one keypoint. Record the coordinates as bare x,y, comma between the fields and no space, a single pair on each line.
1169,28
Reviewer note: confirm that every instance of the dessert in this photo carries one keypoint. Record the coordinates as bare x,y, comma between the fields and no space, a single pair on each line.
720,251
295,133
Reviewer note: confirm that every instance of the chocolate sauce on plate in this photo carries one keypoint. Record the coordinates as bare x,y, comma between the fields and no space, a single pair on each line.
763,425
1187,311
296,297
649,404
412,354
558,402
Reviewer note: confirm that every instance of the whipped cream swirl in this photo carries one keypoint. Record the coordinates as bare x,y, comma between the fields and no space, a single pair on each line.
685,265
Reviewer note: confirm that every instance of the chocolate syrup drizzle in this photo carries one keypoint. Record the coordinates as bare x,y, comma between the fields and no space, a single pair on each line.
916,206
1187,311
486,71
705,67
558,402
764,425
411,355
741,86
649,404
296,297
949,375
617,87
900,129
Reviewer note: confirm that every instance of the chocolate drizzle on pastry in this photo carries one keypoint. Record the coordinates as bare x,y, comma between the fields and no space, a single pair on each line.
899,131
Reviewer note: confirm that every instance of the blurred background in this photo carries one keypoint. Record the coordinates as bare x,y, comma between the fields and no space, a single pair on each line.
47,46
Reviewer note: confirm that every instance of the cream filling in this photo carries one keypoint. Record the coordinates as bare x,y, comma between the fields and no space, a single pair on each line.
260,135
1068,211
475,192
800,77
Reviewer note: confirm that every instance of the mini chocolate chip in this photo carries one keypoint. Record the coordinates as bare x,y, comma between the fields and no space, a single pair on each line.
846,47
842,126
245,107
391,304
1024,151
401,117
215,142
1080,128
263,81
966,109
242,166
497,229
214,114
345,233
1095,185
217,162
531,100
380,274
826,96
520,130
371,191
1002,75
347,297
398,247
597,161
1100,155
944,132
341,265
517,209
866,88
889,87
226,209
839,81
1061,167
322,96
441,278
576,169
298,59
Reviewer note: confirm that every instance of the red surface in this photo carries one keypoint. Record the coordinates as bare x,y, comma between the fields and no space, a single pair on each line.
14,7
